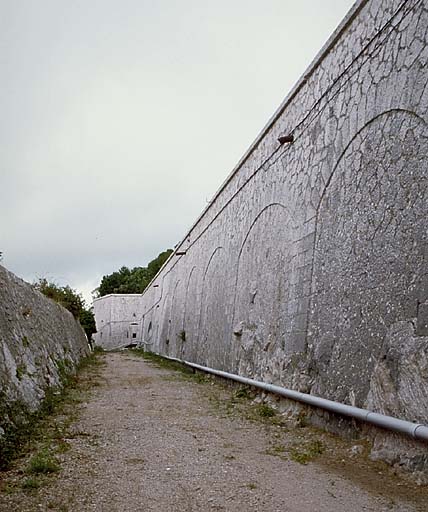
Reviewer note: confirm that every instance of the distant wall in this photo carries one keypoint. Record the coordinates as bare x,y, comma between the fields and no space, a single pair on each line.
118,320
309,267
39,342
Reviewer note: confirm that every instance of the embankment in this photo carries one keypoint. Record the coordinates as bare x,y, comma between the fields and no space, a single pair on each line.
40,343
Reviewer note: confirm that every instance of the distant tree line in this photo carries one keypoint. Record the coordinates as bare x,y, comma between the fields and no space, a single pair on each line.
71,300
134,280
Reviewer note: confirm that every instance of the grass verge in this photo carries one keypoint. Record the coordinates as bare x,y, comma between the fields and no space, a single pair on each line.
38,427
161,362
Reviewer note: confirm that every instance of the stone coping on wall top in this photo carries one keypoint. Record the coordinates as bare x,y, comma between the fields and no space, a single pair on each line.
118,295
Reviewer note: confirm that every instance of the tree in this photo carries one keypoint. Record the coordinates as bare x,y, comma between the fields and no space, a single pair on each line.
87,321
134,280
71,300
155,265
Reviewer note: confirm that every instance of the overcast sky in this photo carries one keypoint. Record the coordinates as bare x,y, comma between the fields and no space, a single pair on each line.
119,119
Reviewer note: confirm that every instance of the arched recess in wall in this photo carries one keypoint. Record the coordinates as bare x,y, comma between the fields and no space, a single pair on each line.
163,322
265,316
191,316
370,254
214,316
160,290
153,316
175,321
150,328
162,314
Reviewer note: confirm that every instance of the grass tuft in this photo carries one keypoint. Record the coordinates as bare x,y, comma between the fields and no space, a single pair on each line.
31,483
265,411
43,463
278,448
304,454
243,393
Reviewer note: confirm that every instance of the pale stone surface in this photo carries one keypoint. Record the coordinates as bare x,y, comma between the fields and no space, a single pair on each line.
39,340
309,267
118,320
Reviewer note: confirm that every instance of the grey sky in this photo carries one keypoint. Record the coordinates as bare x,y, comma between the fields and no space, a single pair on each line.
120,119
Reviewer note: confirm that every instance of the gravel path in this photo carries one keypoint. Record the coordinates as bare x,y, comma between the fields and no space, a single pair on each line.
151,440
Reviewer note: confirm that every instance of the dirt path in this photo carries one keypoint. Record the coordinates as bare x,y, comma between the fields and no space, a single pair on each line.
150,439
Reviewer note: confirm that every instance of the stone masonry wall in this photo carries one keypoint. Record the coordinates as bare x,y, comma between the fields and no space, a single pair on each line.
309,267
118,321
39,342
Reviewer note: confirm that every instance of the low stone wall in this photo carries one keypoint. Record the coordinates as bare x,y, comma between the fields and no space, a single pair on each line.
40,342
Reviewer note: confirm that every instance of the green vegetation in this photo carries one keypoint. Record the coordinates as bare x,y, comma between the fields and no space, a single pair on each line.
28,427
87,321
31,483
277,449
302,453
134,280
162,362
64,369
21,370
307,452
71,300
251,486
244,393
265,411
43,462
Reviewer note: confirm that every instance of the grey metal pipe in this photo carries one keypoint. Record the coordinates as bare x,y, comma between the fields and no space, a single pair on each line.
415,430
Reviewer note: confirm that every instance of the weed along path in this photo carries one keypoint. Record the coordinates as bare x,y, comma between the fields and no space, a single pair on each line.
151,438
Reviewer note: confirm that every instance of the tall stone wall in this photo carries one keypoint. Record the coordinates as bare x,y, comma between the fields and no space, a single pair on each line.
118,320
40,341
309,267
